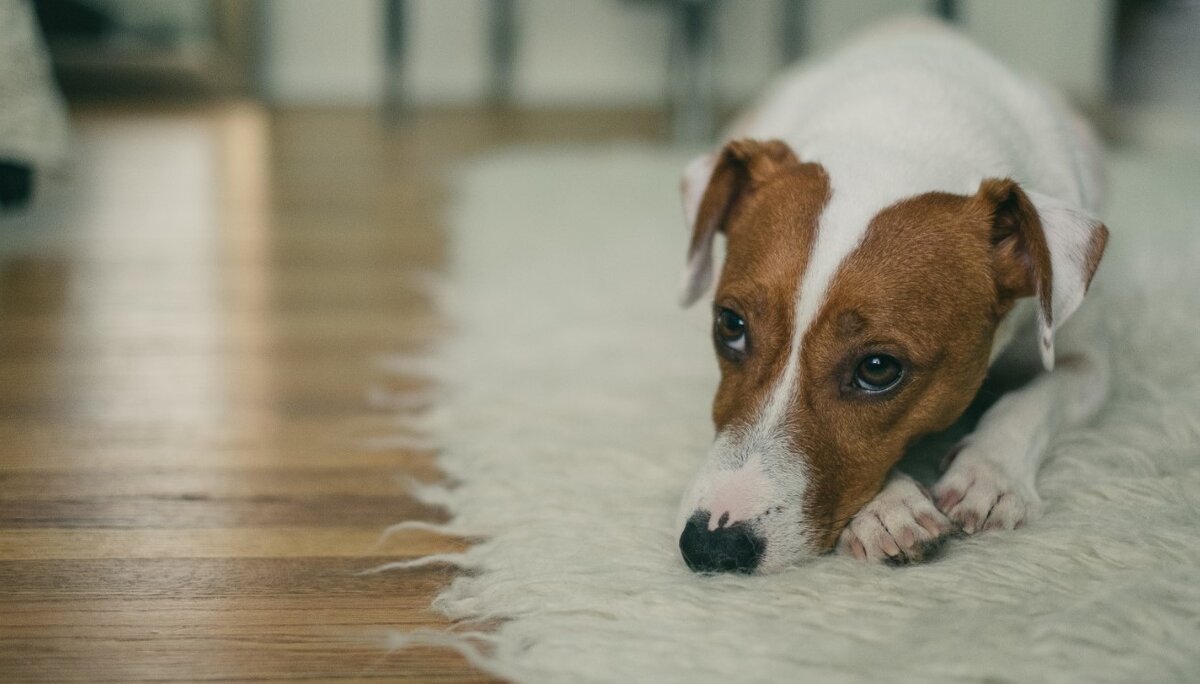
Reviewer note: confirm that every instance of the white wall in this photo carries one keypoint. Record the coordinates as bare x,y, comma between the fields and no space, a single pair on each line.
1066,42
447,56
323,51
614,52
591,51
832,21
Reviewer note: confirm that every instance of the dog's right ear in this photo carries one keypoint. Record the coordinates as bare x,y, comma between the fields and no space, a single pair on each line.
1044,248
712,186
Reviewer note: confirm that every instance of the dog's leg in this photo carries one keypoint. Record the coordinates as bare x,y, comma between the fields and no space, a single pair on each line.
990,480
899,525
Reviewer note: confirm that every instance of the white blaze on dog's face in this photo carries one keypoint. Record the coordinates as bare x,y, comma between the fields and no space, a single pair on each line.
835,357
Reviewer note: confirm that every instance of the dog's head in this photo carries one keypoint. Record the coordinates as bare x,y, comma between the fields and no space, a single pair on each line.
835,357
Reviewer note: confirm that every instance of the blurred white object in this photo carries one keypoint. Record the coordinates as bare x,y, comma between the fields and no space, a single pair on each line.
33,120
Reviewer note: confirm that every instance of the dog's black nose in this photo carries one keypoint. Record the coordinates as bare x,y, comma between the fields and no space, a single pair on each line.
726,549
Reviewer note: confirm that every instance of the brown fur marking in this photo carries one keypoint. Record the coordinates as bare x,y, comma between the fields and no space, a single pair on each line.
922,285
771,224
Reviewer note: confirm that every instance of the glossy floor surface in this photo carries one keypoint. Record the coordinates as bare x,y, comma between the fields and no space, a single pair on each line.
191,471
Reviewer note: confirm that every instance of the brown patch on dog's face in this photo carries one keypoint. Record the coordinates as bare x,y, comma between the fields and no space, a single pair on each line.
770,234
922,288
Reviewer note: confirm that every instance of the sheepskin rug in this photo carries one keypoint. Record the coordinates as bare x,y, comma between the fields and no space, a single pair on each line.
578,407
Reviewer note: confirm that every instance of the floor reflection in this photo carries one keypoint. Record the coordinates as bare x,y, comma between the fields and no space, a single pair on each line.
187,346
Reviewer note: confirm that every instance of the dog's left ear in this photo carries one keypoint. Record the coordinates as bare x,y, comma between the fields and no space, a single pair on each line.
1042,247
712,186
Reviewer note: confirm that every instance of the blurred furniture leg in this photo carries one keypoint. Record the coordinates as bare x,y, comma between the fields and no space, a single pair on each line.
690,71
502,43
394,48
16,184
33,121
791,34
946,9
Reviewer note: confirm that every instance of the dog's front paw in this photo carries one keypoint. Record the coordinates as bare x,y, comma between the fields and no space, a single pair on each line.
900,525
978,495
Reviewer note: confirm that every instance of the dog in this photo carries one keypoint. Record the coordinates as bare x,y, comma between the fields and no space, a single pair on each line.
900,221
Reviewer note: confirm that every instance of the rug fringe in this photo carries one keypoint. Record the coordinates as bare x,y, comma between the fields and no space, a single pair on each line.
403,400
431,421
401,443
423,367
458,560
430,494
448,529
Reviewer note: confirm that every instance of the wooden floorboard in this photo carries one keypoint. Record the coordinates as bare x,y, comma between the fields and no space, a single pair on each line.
195,465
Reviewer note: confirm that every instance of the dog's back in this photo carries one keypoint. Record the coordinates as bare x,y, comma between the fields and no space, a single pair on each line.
915,107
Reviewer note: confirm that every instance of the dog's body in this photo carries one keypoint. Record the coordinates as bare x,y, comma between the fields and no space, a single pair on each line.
895,217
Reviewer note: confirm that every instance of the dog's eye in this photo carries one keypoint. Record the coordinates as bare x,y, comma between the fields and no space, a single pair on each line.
730,329
878,373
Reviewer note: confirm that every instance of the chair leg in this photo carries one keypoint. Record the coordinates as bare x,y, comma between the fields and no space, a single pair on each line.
690,74
791,25
946,9
502,43
16,184
395,47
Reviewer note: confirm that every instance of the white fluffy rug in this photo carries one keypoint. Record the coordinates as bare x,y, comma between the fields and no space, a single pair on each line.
578,403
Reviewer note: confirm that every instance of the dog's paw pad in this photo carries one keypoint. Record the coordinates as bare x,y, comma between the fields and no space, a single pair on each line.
900,525
977,495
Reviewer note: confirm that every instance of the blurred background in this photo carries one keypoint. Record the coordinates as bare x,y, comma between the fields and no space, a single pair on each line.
217,216
1131,64
690,56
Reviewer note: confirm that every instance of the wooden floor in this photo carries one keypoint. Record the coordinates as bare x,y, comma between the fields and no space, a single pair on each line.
186,490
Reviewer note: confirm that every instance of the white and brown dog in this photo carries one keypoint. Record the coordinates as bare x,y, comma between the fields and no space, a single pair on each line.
894,218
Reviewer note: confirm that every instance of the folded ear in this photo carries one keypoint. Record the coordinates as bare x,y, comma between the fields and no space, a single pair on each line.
1042,247
712,186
